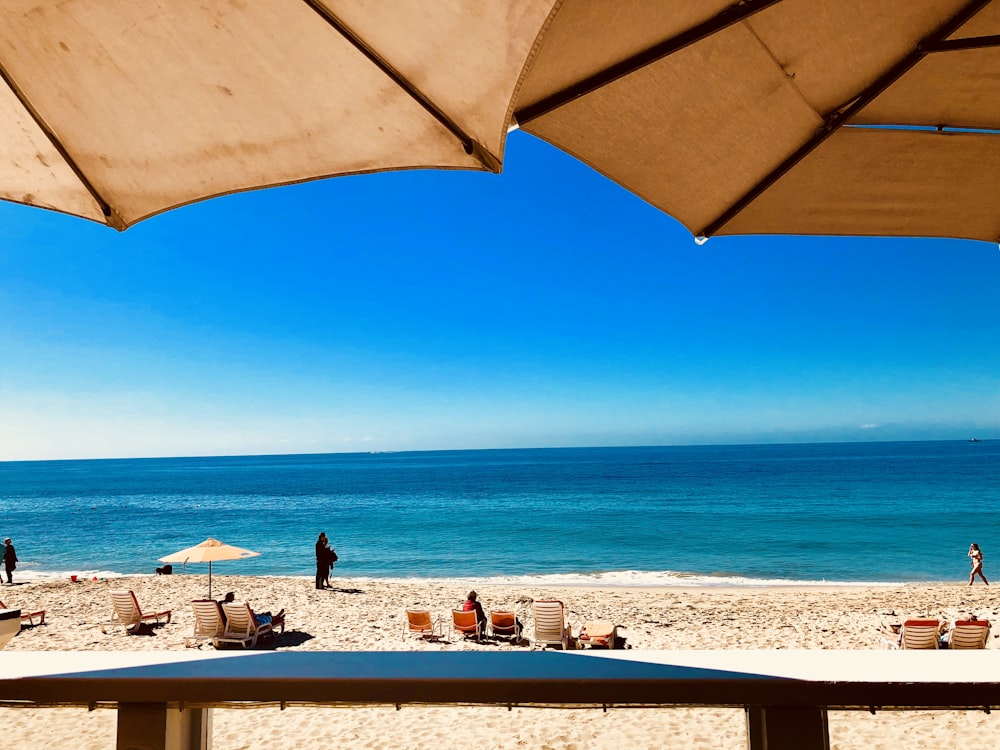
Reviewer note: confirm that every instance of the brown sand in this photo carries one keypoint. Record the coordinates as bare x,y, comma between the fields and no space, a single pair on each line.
369,615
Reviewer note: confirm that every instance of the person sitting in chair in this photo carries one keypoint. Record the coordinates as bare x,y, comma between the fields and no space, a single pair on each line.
472,604
266,618
261,618
229,598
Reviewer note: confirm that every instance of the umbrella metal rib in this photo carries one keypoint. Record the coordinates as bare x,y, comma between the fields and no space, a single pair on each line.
972,42
471,146
726,18
114,220
840,116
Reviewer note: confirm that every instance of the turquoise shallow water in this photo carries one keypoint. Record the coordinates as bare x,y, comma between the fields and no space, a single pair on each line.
744,515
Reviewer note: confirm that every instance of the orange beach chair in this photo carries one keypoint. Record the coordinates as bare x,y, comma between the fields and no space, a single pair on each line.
598,633
503,624
419,622
466,623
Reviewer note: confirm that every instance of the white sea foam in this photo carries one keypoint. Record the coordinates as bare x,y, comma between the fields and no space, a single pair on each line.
632,579
58,575
613,578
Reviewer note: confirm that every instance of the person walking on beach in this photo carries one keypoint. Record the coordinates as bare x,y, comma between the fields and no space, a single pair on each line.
976,556
9,559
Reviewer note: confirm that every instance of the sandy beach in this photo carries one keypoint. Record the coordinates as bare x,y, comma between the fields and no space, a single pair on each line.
368,615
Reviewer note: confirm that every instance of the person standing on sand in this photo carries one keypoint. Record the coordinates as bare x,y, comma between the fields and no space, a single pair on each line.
331,558
322,561
976,555
9,559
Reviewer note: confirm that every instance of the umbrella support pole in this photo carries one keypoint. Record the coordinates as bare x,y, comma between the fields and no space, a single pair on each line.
157,726
782,728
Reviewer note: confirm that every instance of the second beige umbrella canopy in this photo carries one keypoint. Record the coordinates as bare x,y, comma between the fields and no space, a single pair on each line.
830,117
211,550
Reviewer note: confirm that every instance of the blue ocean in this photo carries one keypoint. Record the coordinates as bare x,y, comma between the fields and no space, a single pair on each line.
740,515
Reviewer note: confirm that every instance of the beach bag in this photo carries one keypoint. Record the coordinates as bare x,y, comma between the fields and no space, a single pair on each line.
333,556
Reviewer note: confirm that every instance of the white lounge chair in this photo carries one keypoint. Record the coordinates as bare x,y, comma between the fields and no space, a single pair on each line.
128,614
29,616
969,634
551,628
209,622
913,634
242,626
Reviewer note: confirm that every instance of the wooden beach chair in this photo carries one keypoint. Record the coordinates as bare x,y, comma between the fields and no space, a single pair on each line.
503,623
466,623
551,628
209,622
29,616
242,626
966,634
126,612
598,633
419,622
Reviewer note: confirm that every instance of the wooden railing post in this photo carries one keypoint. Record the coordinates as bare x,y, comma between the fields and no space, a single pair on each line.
156,726
782,728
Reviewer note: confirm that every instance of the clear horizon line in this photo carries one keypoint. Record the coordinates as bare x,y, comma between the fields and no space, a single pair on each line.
362,452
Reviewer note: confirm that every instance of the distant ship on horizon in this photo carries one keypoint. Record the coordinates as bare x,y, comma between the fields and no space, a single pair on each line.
974,440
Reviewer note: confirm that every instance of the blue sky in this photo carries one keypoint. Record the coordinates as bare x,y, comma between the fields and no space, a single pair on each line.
448,310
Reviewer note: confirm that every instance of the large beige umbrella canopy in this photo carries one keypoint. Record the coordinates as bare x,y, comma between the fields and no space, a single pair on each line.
209,551
862,117
115,110
839,117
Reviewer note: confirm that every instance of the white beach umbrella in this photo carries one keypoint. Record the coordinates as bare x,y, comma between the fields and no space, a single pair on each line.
211,550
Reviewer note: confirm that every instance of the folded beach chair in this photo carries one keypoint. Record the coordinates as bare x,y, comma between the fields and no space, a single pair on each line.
913,634
969,634
209,623
28,616
466,623
242,626
598,633
503,624
419,622
128,614
550,624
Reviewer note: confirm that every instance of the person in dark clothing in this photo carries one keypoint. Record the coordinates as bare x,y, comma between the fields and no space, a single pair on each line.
9,559
229,598
322,560
331,558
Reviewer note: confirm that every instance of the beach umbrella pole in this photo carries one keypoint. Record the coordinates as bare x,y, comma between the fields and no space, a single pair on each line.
209,579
